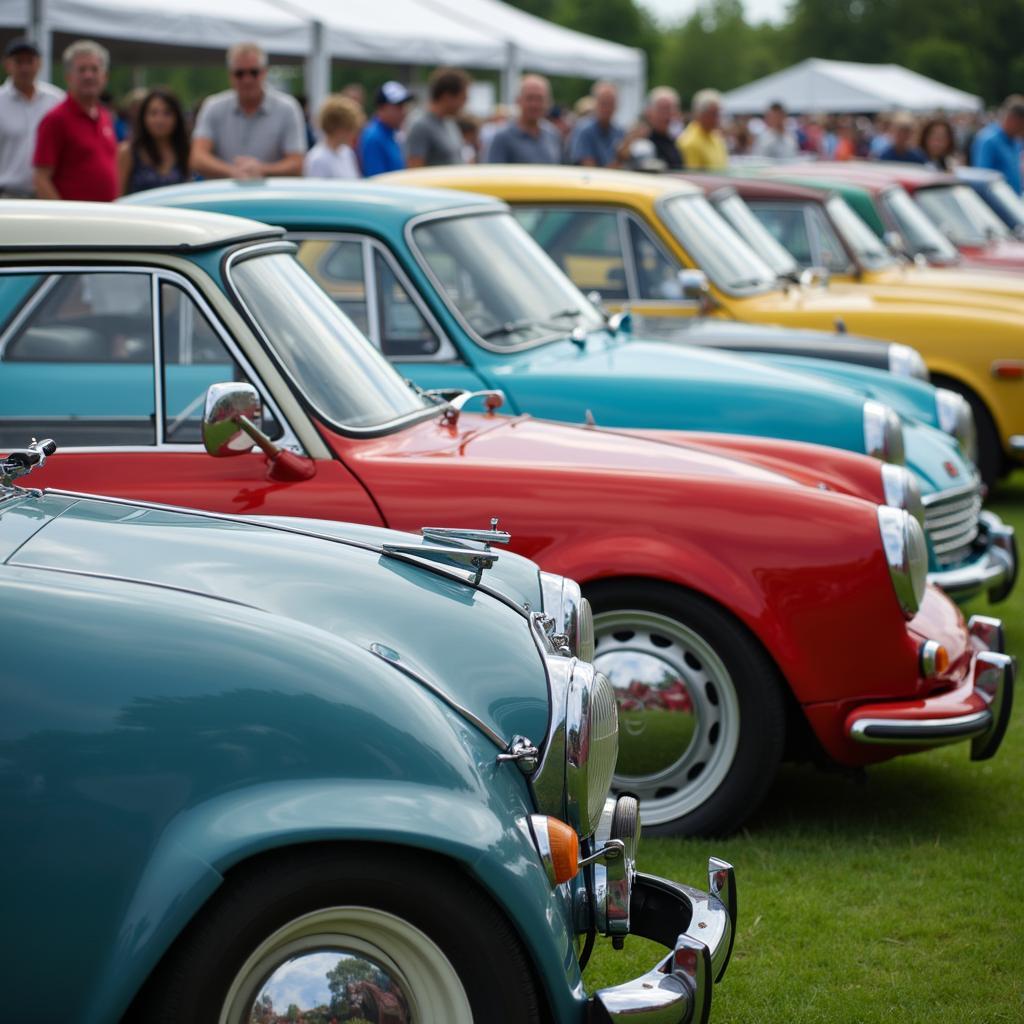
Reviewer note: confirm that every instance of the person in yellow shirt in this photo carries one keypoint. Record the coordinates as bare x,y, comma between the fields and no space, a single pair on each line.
702,142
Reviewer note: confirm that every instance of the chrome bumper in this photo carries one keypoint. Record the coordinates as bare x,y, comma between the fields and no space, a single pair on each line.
978,711
699,929
994,571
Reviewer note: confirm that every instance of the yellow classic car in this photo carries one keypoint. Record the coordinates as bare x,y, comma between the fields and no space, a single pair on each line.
629,235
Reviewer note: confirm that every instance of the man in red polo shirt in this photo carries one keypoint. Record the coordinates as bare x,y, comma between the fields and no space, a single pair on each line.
76,149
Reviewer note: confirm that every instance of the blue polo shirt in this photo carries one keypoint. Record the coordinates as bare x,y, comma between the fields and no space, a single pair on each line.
379,151
994,149
595,142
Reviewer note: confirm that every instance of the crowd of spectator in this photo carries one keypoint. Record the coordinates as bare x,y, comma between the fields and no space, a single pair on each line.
71,146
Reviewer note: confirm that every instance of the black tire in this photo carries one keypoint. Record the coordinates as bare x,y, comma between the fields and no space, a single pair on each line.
992,462
265,895
729,753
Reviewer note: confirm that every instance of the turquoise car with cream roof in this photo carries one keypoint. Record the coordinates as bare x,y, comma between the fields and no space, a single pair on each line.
458,296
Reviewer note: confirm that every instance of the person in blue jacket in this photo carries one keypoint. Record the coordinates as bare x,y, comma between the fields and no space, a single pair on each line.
999,145
379,150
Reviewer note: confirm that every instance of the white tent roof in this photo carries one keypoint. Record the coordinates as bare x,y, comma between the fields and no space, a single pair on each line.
842,87
471,33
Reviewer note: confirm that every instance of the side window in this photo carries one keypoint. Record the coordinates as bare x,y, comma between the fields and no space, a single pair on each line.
657,276
194,357
584,243
76,362
829,249
403,330
788,227
338,268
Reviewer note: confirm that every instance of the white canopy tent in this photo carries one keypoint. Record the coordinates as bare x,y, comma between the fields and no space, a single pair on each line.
841,87
468,33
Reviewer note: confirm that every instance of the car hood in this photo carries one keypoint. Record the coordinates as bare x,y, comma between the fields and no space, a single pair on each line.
977,289
625,382
463,640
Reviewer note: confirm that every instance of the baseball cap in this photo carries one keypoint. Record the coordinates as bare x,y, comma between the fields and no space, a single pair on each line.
393,92
20,44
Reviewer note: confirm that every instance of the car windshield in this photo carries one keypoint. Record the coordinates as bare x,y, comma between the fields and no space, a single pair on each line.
919,233
715,247
961,214
868,248
345,378
735,210
501,283
1008,201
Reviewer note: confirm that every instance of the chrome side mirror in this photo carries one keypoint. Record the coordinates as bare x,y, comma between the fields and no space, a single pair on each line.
894,240
814,277
232,419
694,284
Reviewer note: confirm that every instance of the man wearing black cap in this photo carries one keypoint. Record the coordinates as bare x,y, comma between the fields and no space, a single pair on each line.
23,103
379,151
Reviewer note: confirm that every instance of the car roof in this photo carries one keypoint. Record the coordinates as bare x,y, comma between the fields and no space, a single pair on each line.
39,225
875,176
755,188
551,181
289,198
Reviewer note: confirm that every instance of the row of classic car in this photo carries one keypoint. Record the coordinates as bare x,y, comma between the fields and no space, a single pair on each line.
336,762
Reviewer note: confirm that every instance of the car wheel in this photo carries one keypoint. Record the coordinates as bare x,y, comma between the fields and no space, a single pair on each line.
358,934
992,464
701,708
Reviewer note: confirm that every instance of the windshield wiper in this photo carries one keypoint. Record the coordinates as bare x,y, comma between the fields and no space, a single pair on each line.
511,326
747,282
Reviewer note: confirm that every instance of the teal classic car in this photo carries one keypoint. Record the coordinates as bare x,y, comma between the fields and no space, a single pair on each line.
416,270
251,765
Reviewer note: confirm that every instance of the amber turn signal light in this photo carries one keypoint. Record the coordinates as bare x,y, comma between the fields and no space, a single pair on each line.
558,846
934,659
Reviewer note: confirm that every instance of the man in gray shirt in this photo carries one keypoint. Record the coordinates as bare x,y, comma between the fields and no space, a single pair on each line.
249,131
529,139
434,137
23,104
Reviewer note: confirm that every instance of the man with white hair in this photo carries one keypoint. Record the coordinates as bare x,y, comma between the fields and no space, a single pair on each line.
530,139
660,114
249,130
702,143
76,149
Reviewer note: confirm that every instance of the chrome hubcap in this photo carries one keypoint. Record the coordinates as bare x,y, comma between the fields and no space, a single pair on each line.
347,963
678,711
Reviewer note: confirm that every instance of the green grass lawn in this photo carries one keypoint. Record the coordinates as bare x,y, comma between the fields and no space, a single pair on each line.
896,899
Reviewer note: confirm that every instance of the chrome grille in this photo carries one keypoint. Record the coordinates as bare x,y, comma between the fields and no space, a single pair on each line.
604,743
951,523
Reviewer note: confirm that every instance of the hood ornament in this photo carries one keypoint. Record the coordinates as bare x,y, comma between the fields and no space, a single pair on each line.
21,461
460,548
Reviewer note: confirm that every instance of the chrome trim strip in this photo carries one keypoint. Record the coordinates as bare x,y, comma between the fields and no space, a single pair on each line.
240,255
46,286
156,312
951,492
1017,442
393,658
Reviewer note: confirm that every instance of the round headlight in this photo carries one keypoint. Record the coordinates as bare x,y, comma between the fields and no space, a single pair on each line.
905,361
907,556
956,417
883,433
591,745
902,490
572,618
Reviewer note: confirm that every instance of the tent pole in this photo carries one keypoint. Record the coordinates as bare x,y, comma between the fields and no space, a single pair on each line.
39,33
510,75
318,69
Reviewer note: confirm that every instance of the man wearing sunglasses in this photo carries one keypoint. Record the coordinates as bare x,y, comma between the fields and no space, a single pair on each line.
249,130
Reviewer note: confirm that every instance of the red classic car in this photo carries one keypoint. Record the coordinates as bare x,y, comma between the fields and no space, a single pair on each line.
794,615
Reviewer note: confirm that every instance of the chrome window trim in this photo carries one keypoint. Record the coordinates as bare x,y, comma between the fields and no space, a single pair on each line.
47,285
452,214
446,350
659,205
817,219
288,438
628,255
156,312
645,229
378,429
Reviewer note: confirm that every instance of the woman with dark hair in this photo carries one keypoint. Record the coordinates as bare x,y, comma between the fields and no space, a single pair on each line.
938,144
157,152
